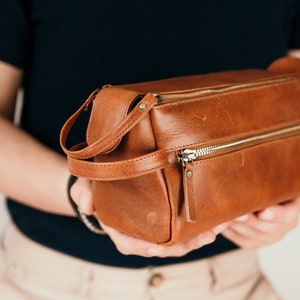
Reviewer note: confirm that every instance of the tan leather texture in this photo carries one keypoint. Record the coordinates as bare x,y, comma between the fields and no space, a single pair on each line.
245,126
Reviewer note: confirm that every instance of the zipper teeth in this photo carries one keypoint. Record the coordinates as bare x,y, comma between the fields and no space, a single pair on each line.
243,143
202,92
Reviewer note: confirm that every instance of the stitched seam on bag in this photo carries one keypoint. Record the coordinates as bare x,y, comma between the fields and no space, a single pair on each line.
127,162
91,165
122,176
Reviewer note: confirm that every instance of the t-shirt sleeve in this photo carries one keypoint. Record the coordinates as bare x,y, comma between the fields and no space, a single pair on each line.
294,41
13,32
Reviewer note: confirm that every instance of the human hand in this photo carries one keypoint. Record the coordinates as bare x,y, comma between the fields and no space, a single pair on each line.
265,227
128,245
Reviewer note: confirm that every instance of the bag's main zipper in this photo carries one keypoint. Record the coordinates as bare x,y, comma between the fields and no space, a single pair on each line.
188,156
174,96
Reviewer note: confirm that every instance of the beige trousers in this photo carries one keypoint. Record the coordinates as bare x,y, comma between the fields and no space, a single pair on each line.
33,272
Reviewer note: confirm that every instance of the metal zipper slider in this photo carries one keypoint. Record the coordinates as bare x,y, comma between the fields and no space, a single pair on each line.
187,155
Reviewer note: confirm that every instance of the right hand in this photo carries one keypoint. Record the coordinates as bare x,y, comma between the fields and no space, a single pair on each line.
128,245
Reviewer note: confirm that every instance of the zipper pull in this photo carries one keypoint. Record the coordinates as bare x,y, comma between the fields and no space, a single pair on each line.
187,157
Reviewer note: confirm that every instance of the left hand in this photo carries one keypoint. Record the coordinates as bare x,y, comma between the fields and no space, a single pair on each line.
265,227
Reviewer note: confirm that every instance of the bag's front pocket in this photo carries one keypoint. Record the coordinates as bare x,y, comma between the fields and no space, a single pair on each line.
223,187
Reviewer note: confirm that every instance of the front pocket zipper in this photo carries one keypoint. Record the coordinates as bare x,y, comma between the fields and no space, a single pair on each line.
174,96
188,156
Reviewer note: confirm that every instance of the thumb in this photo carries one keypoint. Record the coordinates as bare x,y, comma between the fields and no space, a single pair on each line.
81,193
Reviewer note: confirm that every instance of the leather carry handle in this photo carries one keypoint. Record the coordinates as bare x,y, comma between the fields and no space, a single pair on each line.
104,143
118,170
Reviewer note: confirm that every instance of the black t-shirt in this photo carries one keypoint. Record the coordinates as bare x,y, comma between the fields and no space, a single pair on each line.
69,47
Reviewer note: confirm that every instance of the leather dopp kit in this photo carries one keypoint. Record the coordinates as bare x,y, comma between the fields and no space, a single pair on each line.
172,158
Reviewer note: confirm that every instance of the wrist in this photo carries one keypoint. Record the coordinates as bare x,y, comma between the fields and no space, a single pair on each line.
91,221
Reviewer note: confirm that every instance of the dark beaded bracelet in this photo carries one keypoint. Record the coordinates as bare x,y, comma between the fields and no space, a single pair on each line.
89,221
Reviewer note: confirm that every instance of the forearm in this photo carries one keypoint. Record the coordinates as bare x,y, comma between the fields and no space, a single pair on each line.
294,53
31,173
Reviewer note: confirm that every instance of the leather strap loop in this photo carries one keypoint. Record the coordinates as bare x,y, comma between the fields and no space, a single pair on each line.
103,144
119,170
